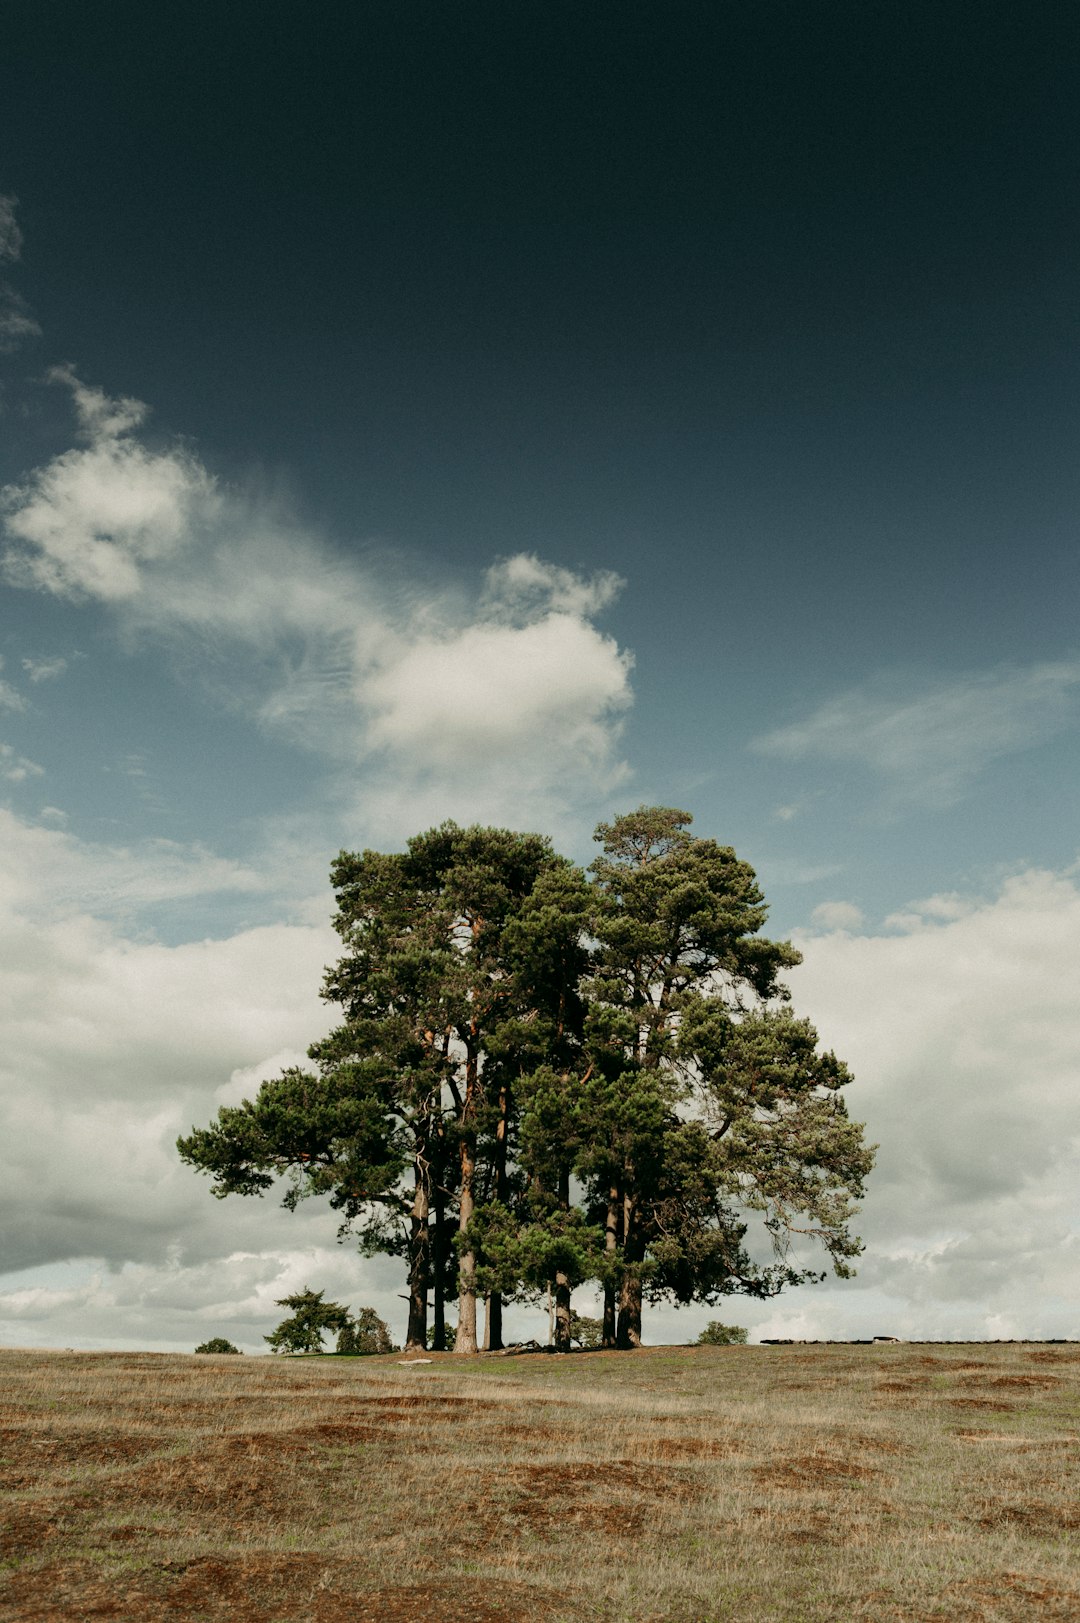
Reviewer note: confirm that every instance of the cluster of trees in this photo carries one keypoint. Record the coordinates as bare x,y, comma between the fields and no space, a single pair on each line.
546,1077
311,1317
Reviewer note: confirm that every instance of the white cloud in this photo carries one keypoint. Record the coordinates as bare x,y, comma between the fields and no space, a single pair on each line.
112,1047
508,706
44,670
929,748
962,1035
965,1045
525,585
837,916
84,524
49,873
15,768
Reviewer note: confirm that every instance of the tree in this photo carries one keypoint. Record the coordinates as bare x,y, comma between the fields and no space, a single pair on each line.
588,1333
217,1344
303,1331
437,983
365,1335
709,1099
716,1334
543,1078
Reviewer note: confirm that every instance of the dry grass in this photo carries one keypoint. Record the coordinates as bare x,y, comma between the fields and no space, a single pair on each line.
741,1483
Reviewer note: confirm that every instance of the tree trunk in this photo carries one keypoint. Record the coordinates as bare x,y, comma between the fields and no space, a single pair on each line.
562,1313
466,1330
493,1332
611,1246
629,1329
419,1266
628,1333
438,1338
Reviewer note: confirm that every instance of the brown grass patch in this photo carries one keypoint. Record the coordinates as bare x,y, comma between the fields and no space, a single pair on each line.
818,1470
255,1588
1006,1597
1031,1516
684,1448
981,1403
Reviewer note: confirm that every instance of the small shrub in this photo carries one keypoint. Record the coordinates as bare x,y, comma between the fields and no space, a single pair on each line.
716,1334
218,1344
451,1336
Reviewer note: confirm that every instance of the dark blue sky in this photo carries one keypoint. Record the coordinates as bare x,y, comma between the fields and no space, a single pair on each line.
771,308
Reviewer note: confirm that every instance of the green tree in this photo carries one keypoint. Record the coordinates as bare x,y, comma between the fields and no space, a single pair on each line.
588,1333
440,980
311,1317
217,1344
365,1334
542,1079
716,1334
708,1099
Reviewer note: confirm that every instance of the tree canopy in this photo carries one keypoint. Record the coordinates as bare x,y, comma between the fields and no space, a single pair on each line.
545,1077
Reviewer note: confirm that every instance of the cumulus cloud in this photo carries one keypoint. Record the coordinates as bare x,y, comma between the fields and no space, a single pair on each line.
930,747
84,524
963,1038
961,1033
506,705
112,1047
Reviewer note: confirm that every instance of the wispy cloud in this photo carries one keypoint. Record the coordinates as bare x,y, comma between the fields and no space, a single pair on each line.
10,698
16,319
15,768
44,670
928,748
11,237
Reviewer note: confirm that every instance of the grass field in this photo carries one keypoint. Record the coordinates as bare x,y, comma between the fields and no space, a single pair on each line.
743,1483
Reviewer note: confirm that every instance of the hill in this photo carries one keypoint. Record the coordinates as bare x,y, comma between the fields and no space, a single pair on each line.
683,1484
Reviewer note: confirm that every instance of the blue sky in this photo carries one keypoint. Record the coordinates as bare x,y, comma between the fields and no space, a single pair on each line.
520,416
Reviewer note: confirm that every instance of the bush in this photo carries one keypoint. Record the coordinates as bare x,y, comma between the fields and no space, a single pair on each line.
451,1336
716,1334
218,1344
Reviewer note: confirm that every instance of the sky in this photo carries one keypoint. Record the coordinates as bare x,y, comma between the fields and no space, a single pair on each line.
519,414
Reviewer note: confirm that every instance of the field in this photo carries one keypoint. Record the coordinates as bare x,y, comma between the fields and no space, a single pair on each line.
691,1484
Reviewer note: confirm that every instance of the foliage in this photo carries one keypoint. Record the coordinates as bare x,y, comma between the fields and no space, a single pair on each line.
450,1339
366,1334
716,1334
588,1333
303,1331
217,1344
545,1077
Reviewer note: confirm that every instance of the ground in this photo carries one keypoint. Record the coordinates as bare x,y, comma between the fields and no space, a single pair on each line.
685,1484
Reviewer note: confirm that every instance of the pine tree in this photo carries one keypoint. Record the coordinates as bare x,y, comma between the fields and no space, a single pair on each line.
709,1099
